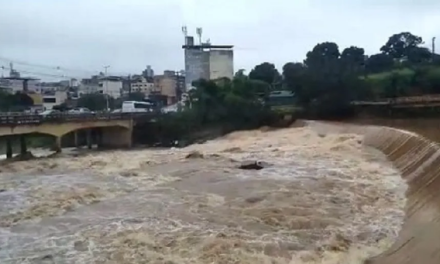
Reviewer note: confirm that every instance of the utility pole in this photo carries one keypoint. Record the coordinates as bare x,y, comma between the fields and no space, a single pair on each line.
433,45
129,86
106,87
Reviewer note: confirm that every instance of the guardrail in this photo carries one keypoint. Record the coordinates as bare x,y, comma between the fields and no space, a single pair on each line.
21,119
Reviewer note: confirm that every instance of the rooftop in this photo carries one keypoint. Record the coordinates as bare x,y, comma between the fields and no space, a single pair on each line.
206,46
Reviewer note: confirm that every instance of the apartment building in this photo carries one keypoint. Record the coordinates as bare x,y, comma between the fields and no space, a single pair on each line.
53,98
167,85
88,86
207,61
111,86
142,85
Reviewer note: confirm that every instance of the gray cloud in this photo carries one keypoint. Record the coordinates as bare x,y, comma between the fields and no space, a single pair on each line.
86,35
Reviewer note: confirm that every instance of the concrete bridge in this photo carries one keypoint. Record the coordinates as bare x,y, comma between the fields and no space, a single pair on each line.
112,130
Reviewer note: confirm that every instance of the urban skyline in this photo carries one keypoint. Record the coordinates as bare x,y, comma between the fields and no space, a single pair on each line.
202,59
51,73
125,38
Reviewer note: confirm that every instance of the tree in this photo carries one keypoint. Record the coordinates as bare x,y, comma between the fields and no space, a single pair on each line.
265,72
353,59
399,45
15,102
240,74
379,62
323,54
22,100
95,102
418,55
293,77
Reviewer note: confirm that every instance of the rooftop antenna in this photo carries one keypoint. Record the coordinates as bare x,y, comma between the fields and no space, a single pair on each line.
11,70
185,33
199,33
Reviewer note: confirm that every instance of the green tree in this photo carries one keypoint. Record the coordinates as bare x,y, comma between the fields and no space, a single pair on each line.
240,74
353,59
15,102
293,77
378,63
266,72
95,102
418,55
323,54
399,45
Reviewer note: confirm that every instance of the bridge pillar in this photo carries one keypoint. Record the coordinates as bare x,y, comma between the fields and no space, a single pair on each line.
58,144
89,138
9,147
98,137
23,145
116,137
76,140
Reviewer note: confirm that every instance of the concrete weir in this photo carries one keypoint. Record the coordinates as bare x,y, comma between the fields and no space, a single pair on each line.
418,159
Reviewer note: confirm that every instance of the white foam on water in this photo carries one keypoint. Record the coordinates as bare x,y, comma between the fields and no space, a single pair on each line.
325,199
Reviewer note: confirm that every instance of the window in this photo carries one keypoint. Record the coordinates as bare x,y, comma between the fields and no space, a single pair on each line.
50,100
141,105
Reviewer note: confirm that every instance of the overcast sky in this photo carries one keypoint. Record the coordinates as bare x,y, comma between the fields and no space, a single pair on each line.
82,36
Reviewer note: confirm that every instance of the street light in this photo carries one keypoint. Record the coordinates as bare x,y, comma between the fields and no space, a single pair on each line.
106,88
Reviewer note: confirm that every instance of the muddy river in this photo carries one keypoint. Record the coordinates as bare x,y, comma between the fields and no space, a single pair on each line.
325,199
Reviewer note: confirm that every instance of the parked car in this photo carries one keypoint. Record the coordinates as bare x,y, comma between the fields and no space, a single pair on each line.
50,112
80,110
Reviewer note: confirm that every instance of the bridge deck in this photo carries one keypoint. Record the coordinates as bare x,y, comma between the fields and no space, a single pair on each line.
26,119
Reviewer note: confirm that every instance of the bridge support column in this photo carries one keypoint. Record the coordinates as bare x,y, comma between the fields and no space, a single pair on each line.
23,145
9,148
89,138
98,137
117,137
76,140
58,144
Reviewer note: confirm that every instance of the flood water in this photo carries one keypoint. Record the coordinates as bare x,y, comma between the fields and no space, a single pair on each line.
325,199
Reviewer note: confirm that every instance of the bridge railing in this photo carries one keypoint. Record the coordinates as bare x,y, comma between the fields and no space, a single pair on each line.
25,118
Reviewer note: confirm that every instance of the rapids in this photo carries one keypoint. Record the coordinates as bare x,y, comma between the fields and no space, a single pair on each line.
327,199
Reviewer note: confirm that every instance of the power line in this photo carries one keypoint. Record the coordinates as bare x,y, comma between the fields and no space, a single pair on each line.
40,73
42,66
58,68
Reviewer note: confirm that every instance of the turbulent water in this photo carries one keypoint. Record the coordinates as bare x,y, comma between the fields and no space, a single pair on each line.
326,199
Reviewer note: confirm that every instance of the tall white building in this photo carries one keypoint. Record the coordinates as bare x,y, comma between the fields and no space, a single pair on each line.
207,61
53,98
221,64
111,86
